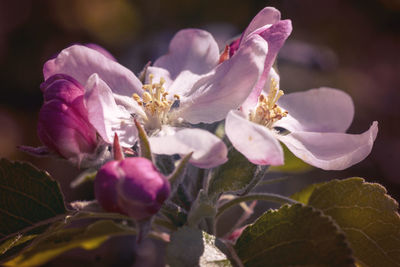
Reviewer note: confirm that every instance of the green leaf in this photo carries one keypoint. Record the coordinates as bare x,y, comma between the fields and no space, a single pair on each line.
193,247
294,235
236,175
27,197
54,244
14,245
367,215
292,163
304,195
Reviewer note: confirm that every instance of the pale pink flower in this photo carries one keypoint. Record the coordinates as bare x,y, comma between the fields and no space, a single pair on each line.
187,85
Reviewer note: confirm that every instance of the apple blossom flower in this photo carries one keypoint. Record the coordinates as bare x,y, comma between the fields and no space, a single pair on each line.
131,186
312,124
187,85
315,120
63,124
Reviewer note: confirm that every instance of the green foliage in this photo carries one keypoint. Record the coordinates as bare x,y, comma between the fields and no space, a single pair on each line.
60,241
304,195
294,235
193,247
27,196
367,215
30,201
237,175
292,163
14,245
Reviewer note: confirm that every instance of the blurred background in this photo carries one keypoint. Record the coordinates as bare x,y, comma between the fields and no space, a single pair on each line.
351,45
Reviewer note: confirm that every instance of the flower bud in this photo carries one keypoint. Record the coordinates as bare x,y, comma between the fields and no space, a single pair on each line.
132,186
63,124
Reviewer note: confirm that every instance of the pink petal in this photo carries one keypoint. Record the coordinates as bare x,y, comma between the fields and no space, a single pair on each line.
246,108
331,151
268,15
80,62
106,116
317,110
182,84
192,53
192,50
256,142
227,87
275,36
100,49
159,73
208,150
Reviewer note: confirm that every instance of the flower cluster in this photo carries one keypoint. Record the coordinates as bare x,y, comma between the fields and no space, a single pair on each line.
89,98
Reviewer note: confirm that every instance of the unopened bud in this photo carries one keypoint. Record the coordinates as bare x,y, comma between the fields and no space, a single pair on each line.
132,186
63,124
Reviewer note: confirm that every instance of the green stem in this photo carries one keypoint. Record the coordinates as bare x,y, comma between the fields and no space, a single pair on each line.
274,180
256,196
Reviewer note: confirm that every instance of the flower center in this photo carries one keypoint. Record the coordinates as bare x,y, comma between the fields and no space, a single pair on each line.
155,103
267,111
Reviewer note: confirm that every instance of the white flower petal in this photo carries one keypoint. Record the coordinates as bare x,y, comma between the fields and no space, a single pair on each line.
208,150
80,62
227,86
268,15
275,36
256,142
317,110
331,151
193,50
106,116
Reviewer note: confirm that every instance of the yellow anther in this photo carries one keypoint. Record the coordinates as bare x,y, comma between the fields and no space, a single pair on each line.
267,111
162,81
136,97
146,97
154,103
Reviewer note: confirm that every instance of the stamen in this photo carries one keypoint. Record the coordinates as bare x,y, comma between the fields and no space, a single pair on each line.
146,97
155,103
267,111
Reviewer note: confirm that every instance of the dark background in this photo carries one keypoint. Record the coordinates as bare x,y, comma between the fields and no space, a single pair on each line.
351,45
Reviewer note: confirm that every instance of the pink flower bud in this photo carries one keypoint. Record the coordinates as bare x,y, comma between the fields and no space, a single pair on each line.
132,186
63,124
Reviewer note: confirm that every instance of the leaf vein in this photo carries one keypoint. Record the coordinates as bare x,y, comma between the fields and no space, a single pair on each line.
16,216
372,241
28,196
